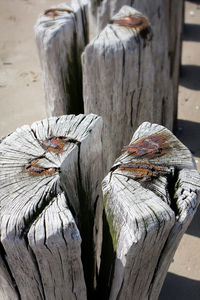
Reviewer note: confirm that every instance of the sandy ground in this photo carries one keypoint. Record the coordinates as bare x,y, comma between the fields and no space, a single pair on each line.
22,102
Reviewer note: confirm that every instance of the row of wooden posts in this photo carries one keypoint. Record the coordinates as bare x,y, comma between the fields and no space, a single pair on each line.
108,67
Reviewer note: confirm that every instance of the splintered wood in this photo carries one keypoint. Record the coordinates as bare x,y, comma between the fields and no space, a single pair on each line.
61,35
50,208
150,197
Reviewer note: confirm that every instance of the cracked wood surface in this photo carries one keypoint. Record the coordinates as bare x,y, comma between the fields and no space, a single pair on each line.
118,81
61,35
166,18
51,208
150,197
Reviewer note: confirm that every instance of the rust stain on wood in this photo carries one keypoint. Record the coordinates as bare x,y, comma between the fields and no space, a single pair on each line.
54,12
137,22
140,23
151,146
35,169
144,171
56,143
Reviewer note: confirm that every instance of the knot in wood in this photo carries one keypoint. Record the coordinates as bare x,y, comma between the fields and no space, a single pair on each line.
35,169
54,12
56,143
151,146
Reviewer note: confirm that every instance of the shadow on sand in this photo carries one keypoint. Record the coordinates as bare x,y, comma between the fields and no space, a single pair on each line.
190,75
188,133
180,288
191,32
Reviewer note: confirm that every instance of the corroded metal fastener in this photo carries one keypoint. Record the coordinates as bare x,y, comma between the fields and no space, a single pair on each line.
35,169
146,171
54,12
135,21
56,143
152,146
131,21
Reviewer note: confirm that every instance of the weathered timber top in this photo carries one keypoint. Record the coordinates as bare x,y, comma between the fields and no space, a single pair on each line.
150,197
49,201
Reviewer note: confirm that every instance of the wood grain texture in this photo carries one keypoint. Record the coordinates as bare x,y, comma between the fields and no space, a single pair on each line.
150,197
166,18
118,82
46,195
7,290
61,37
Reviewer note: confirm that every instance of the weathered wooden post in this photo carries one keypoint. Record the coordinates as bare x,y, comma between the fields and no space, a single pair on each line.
61,35
118,80
166,18
51,209
150,197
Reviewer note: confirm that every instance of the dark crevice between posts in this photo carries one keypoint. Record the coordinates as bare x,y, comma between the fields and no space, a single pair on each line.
72,79
108,255
85,25
3,257
85,226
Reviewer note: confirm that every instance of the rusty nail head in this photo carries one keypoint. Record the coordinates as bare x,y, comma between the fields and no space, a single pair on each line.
144,170
56,143
35,169
132,21
151,146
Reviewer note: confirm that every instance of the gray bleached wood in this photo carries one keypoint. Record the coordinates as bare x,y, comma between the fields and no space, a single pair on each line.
118,82
150,197
166,18
44,179
61,36
7,291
